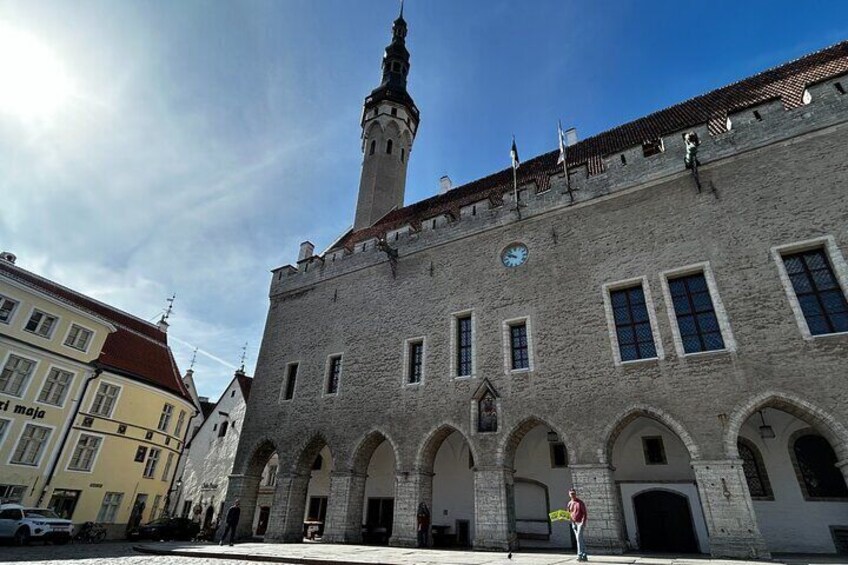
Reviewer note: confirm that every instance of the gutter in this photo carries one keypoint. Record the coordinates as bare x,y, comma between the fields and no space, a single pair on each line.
68,428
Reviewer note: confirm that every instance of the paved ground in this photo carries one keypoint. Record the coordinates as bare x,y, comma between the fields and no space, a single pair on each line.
319,554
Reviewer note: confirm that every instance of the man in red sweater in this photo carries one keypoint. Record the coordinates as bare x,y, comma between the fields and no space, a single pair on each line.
579,517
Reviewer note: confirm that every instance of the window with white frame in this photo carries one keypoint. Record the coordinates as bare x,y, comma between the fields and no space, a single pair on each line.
16,373
699,322
78,337
85,453
7,309
815,284
462,343
152,462
4,425
414,361
31,445
180,421
334,374
55,387
41,323
518,355
631,322
168,462
165,417
104,400
109,507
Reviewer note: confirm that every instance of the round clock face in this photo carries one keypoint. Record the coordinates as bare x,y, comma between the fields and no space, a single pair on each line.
514,255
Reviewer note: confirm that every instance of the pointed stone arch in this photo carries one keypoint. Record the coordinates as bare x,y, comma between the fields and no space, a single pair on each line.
307,452
825,423
510,443
430,447
366,447
392,130
642,410
259,454
374,130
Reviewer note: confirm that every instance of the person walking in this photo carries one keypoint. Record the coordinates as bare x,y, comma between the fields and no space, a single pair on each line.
233,515
579,517
423,524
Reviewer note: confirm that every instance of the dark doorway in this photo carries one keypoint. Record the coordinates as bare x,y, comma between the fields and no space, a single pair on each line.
664,522
262,524
64,502
378,522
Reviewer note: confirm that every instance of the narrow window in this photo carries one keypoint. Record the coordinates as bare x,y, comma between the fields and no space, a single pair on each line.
334,375
291,380
817,468
271,479
55,387
434,224
84,453
389,147
78,337
757,116
7,308
104,400
518,346
318,463
402,154
839,88
140,454
394,111
755,470
152,462
819,295
623,159
696,318
652,147
168,463
165,417
632,325
15,375
654,450
373,147
180,421
31,445
41,324
559,456
474,210
464,346
222,429
416,362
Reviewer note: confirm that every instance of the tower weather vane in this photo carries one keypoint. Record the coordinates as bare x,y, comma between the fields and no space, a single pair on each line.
243,356
170,307
193,359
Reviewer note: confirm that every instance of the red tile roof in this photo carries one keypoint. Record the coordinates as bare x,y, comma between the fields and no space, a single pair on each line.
786,82
138,349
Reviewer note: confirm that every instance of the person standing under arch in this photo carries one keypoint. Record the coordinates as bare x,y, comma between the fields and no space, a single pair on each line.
579,517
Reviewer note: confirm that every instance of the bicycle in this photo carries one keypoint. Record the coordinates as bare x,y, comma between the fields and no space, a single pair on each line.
90,532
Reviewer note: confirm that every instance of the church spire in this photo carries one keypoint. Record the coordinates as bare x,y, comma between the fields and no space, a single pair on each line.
389,124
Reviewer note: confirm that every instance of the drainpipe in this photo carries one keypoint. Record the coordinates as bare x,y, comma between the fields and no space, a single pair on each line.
68,428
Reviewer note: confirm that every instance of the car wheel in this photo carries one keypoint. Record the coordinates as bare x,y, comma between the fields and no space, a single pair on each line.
22,536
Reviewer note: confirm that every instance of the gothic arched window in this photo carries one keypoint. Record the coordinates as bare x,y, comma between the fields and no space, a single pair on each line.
389,147
373,146
755,471
815,463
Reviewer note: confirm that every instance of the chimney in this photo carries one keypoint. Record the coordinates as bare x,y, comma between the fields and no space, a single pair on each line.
8,256
203,398
445,184
570,136
307,250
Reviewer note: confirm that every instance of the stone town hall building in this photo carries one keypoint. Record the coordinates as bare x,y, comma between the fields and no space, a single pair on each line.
677,354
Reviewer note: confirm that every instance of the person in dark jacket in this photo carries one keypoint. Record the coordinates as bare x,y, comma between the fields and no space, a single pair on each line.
233,515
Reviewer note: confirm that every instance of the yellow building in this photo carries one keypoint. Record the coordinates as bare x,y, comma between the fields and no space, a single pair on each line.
93,412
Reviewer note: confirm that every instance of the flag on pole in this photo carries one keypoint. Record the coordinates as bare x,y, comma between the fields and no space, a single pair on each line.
561,159
513,153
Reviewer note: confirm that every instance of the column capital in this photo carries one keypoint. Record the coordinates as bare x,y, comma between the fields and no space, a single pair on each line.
345,473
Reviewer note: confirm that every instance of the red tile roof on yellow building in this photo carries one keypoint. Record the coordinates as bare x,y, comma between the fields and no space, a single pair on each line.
137,349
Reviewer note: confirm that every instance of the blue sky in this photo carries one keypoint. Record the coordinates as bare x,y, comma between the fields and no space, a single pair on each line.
199,142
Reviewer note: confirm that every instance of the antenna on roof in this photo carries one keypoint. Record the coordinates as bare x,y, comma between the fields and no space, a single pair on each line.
163,321
193,359
243,356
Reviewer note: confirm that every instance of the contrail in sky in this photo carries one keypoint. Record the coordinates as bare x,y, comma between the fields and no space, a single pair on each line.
202,352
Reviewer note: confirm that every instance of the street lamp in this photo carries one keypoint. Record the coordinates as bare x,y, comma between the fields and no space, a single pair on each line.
766,431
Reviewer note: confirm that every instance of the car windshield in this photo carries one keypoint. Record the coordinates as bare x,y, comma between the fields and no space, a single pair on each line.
39,513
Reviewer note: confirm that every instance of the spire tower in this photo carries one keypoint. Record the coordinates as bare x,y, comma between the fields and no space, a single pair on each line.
389,124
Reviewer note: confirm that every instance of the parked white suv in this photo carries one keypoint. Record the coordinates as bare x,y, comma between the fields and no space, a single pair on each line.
24,524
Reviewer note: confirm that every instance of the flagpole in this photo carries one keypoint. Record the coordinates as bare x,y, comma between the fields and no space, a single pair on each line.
565,163
515,178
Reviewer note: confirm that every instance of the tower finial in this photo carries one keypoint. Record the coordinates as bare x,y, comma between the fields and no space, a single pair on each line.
401,9
193,359
243,356
170,307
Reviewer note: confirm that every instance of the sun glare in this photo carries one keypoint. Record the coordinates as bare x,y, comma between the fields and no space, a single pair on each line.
33,82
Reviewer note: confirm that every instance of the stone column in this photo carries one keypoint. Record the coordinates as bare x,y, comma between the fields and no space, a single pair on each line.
494,524
245,488
411,489
285,522
344,507
596,487
728,510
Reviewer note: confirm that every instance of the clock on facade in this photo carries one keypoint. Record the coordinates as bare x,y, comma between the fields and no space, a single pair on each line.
514,255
